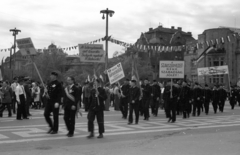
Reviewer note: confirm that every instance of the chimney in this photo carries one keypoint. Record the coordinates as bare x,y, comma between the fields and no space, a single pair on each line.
179,28
172,27
150,29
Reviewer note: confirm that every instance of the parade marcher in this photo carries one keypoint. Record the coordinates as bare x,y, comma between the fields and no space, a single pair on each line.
27,88
13,86
179,103
232,97
53,92
155,97
36,95
86,95
124,99
183,98
96,109
117,95
197,95
107,101
222,98
70,102
134,102
146,98
21,100
237,91
215,98
170,96
6,98
207,95
190,100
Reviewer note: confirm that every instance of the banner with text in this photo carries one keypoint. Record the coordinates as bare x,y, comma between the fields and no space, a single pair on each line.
91,53
216,70
115,73
26,46
171,69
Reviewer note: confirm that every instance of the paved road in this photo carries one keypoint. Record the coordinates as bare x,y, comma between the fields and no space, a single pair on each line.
148,137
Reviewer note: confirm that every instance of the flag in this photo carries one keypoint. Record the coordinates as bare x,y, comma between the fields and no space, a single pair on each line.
203,53
88,79
222,40
135,75
228,37
101,77
207,43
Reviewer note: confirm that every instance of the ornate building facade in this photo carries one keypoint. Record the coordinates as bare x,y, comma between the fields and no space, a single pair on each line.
226,51
168,37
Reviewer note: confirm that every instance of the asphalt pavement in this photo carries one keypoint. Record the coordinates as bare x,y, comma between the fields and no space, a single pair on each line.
205,135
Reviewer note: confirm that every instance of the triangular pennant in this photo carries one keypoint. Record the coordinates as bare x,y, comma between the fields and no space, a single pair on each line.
217,41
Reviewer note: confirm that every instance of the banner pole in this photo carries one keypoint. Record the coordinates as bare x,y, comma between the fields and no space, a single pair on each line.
229,84
171,87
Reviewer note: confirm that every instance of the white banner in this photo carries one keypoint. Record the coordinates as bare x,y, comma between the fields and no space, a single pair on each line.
216,70
91,53
26,46
115,73
171,69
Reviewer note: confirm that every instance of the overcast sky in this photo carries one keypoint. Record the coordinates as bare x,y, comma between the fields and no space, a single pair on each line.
70,22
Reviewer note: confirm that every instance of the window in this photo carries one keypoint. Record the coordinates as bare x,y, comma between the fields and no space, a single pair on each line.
210,62
216,62
222,61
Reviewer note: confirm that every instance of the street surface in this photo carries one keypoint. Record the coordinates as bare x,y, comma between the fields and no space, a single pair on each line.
208,134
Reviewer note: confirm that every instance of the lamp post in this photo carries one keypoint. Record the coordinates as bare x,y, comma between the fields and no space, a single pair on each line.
15,32
108,13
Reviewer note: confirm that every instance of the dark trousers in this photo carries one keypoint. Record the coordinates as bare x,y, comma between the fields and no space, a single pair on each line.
215,106
86,103
48,109
124,106
171,110
100,120
3,107
14,103
27,106
21,111
69,118
146,103
221,105
232,102
134,107
197,105
206,106
155,106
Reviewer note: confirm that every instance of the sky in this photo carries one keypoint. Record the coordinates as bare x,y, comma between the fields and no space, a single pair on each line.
67,23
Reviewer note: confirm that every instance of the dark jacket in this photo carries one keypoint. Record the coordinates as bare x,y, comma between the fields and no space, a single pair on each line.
54,91
68,103
134,94
97,103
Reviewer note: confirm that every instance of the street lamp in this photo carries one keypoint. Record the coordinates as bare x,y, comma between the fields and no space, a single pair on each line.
107,13
15,32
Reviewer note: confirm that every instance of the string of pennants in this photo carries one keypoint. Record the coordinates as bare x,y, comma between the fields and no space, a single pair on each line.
142,47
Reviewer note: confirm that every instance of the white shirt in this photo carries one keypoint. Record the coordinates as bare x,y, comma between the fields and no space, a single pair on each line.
13,86
20,91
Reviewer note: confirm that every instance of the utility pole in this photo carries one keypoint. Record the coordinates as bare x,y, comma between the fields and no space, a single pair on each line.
108,13
15,33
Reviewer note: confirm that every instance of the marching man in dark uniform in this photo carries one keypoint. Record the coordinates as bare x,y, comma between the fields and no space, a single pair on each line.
96,109
70,105
232,97
222,98
207,95
155,95
146,98
197,94
53,92
215,98
170,98
124,100
184,99
134,102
